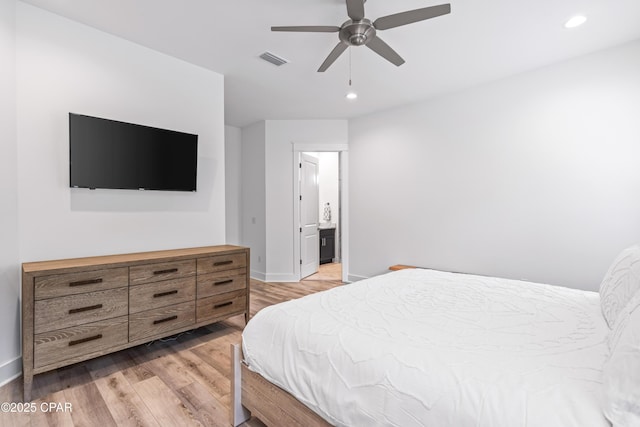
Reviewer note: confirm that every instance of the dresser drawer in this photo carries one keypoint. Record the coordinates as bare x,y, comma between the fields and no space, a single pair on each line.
161,271
221,263
73,310
74,342
161,320
160,294
220,306
221,282
59,285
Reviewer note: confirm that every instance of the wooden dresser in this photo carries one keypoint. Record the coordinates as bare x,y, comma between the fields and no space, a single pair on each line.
78,309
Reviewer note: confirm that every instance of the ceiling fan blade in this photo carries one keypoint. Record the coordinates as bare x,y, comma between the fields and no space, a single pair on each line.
309,29
411,16
355,9
335,53
381,48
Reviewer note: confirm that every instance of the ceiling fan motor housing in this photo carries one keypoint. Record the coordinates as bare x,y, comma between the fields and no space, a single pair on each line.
357,33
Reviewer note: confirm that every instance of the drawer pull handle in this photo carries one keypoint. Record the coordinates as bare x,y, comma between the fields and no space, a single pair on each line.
80,341
219,263
166,319
169,270
80,310
164,294
224,304
85,282
223,282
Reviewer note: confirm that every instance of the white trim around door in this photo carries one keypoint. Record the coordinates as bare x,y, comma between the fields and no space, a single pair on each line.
343,151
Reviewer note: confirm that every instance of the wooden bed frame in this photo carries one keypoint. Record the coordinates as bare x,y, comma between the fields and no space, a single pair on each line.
252,394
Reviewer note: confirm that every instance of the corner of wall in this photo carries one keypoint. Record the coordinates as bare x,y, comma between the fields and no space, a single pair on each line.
10,370
10,359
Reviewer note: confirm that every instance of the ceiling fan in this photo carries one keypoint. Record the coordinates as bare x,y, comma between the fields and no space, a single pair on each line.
359,31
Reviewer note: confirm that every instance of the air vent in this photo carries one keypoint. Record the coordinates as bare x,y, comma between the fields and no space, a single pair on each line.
275,60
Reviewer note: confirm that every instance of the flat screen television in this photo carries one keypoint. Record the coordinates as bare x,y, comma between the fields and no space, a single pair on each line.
111,154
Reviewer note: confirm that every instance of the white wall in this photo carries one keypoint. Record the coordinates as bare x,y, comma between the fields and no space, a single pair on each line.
66,67
253,224
10,363
233,180
267,189
328,184
279,173
534,177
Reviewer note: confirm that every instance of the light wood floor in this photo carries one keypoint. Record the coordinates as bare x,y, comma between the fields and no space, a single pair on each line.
329,271
182,382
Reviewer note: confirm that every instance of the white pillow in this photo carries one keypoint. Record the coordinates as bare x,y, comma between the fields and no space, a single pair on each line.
620,283
621,373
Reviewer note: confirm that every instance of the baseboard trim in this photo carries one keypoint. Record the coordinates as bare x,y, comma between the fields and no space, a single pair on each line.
10,370
288,277
258,276
355,277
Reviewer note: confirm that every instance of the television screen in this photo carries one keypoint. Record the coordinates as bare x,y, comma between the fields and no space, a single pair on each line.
110,154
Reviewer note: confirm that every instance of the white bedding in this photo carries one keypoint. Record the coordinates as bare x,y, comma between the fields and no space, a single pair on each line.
429,348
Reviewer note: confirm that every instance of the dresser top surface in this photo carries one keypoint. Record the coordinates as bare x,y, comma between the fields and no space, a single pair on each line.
126,259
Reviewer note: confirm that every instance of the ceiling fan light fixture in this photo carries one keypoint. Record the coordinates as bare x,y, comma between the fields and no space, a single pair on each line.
576,21
351,95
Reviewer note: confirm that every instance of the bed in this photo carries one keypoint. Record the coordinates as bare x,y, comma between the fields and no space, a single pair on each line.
420,347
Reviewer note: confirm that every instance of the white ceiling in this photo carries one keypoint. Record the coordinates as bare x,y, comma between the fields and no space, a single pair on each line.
479,41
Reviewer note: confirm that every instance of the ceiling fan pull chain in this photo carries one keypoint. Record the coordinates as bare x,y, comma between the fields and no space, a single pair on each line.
349,66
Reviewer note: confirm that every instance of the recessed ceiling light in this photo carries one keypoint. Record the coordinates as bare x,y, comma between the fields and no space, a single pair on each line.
351,95
576,21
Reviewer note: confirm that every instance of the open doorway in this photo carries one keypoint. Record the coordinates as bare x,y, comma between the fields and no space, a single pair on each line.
328,248
327,205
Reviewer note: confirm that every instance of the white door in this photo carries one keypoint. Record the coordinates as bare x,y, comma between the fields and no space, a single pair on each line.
309,234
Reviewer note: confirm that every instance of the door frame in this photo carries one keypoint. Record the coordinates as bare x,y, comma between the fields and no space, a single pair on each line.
343,158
